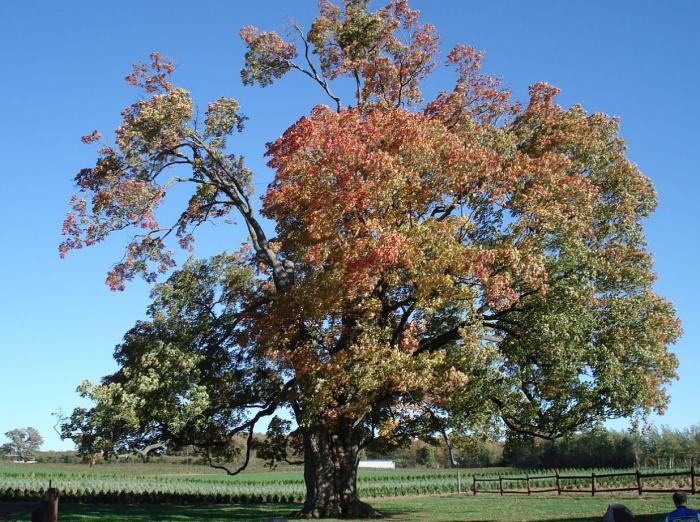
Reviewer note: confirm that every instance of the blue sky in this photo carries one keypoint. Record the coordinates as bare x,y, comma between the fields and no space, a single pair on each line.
63,65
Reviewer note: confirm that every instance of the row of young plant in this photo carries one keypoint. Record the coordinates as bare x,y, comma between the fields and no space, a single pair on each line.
153,490
95,488
220,478
150,497
223,479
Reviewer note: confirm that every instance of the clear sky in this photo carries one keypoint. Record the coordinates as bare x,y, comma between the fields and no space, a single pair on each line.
63,65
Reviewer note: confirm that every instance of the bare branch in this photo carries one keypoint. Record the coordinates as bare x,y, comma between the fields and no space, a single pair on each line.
312,72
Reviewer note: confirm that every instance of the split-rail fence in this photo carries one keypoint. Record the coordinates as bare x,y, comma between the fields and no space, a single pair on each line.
561,480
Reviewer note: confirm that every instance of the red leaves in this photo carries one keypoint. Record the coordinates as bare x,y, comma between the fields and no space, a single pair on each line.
153,77
475,97
72,226
409,341
272,42
139,253
366,259
92,137
248,33
541,93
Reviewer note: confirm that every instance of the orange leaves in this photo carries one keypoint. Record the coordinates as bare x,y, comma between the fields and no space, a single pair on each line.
542,94
476,97
159,122
357,193
153,77
501,270
92,137
409,341
273,42
349,186
387,52
248,33
386,164
370,258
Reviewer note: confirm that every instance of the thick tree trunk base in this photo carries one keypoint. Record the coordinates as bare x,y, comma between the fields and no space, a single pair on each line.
331,457
354,509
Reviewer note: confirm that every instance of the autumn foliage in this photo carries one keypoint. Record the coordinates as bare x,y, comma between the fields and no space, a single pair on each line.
441,268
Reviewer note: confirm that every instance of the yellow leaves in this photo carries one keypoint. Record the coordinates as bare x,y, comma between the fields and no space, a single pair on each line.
388,427
156,123
457,379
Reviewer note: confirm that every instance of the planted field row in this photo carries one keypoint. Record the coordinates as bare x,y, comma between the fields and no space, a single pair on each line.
219,479
99,490
103,488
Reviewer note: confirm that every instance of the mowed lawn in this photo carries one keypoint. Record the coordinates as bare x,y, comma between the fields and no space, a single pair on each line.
541,508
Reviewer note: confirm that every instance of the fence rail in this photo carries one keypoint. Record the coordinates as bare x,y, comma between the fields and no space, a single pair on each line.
593,478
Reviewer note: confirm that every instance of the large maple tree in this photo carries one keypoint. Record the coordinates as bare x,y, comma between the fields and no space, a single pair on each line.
438,268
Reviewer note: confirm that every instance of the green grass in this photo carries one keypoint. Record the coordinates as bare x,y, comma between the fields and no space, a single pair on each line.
112,490
482,508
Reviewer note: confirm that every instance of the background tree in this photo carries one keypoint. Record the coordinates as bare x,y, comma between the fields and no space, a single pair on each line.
426,456
440,268
24,443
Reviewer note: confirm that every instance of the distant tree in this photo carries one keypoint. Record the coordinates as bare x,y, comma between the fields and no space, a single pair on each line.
24,442
426,456
481,454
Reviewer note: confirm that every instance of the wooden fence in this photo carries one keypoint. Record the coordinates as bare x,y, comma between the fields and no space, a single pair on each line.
593,478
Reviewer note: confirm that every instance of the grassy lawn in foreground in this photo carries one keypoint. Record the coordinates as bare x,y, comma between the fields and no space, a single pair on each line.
482,508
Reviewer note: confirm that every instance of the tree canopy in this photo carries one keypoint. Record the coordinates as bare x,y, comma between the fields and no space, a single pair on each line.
439,268
24,443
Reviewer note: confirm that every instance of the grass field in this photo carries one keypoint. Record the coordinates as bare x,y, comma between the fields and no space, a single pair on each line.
454,508
145,492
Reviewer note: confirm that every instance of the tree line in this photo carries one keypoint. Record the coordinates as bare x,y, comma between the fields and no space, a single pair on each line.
662,447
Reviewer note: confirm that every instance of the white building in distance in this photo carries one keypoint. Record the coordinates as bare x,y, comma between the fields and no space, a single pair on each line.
379,464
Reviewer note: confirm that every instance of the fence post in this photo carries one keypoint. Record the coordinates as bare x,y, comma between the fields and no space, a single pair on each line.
692,478
53,505
556,473
47,510
459,482
527,476
593,484
474,484
639,482
500,485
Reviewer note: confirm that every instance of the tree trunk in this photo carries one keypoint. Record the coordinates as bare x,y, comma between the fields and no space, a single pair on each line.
330,473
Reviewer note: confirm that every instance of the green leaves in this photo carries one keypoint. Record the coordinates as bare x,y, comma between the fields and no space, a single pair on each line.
268,56
222,119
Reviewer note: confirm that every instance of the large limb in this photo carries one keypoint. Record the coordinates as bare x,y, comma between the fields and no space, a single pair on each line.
249,425
227,181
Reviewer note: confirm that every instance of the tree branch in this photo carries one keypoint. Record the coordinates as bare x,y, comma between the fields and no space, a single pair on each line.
282,272
249,447
313,73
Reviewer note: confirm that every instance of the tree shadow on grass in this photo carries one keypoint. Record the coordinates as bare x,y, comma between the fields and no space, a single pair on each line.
143,513
9,510
240,512
654,517
397,515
